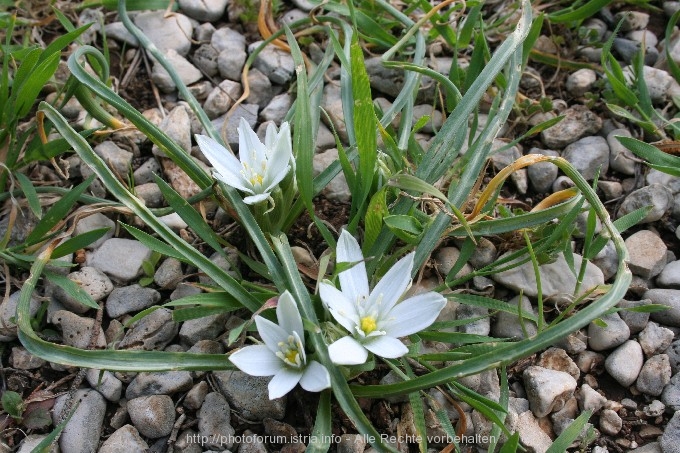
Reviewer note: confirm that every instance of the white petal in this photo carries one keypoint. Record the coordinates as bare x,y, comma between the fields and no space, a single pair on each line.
256,360
232,181
392,285
386,346
274,176
288,315
255,199
353,281
271,333
225,163
283,382
413,314
251,150
347,351
343,310
279,149
315,377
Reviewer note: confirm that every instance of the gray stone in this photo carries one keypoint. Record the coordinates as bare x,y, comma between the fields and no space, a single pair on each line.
171,32
204,10
8,313
557,279
256,446
647,254
273,62
93,281
159,383
444,260
227,261
214,421
204,328
607,260
195,397
655,374
573,343
581,226
150,193
221,98
588,155
610,422
116,158
153,416
21,359
82,431
351,443
670,275
627,49
277,108
655,195
225,38
632,20
543,174
261,91
578,122
436,119
658,81
204,32
654,409
76,331
673,353
246,111
562,183
655,339
120,259
589,399
658,177
652,447
670,396
669,298
547,390
129,299
205,59
117,31
507,325
610,189
249,396
625,362
581,81
593,30
168,274
481,326
557,359
187,72
94,222
105,383
153,331
391,81
670,440
621,158
230,62
124,440
142,175
636,320
501,159
337,189
614,334
30,442
332,104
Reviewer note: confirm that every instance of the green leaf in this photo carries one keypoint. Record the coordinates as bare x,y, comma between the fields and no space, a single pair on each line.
650,153
216,299
154,244
510,446
321,433
405,227
72,289
578,13
38,418
569,435
12,404
78,242
30,193
376,211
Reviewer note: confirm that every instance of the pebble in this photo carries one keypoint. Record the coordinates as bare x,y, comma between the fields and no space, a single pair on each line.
129,299
273,62
351,443
670,440
556,277
436,119
654,409
116,158
105,383
444,260
249,396
337,189
655,339
167,33
657,177
542,175
214,421
8,313
669,298
606,259
143,174
647,254
261,90
610,422
117,31
221,98
581,81
230,62
481,326
150,194
670,275
153,416
23,360
83,430
625,362
614,334
610,189
125,439
94,222
203,10
588,155
655,374
557,359
670,396
621,159
562,183
501,159
195,397
93,281
76,331
332,104
589,399
589,361
30,442
673,353
632,20
204,328
636,320
652,447
168,274
578,122
507,325
547,390
159,383
655,195
530,433
277,108
120,259
187,72
154,331
658,81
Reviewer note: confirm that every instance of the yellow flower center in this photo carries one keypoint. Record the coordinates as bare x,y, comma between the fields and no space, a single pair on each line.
291,352
291,356
256,179
368,324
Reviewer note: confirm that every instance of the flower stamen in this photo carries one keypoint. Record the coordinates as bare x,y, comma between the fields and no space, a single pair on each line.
368,324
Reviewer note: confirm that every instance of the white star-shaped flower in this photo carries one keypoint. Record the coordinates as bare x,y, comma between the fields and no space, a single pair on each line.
376,319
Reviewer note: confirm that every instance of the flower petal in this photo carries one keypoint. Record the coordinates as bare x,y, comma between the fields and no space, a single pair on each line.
255,199
288,315
274,176
251,150
386,346
413,314
279,151
283,382
392,285
315,377
271,333
347,351
224,162
256,360
343,310
353,281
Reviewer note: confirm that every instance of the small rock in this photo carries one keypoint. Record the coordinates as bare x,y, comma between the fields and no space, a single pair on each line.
187,72
543,174
159,383
670,440
168,274
261,90
124,440
655,195
8,313
436,118
655,339
558,360
77,331
23,360
654,376
625,362
204,11
654,409
607,260
610,422
530,432
578,122
632,20
214,421
129,299
670,275
273,62
610,189
673,353
195,397
249,396
507,325
581,81
171,32
655,176
150,194
614,334
277,108
484,254
337,189
245,111
221,98
116,158
255,446
120,259
153,331
83,430
105,383
204,328
230,63
669,298
621,158
562,183
95,222
670,396
589,399
573,343
481,326
588,155
547,390
153,416
659,82
117,31
351,443
143,174
647,253
636,320
444,260
589,361
93,281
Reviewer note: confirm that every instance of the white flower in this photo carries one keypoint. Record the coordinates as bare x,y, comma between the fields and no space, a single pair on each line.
283,353
375,320
262,165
